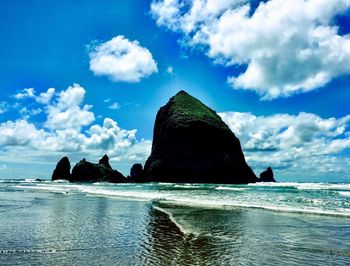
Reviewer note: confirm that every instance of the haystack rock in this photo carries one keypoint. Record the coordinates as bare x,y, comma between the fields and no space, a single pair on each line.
62,170
192,144
267,176
85,171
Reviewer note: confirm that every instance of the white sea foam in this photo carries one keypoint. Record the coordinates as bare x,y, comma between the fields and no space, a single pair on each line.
189,186
94,190
7,181
281,208
46,188
264,184
344,193
184,230
231,188
275,200
163,184
144,195
305,186
29,180
60,181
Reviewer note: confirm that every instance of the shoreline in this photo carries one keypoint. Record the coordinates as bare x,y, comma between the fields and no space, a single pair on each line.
189,195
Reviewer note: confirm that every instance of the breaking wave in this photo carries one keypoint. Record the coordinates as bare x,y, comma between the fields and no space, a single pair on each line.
292,197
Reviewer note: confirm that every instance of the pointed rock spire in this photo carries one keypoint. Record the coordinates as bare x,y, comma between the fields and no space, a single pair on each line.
105,161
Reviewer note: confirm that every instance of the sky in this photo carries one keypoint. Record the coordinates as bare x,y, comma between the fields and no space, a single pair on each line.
85,78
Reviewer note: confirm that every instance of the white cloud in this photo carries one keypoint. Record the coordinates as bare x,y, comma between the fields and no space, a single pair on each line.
114,106
110,136
45,97
4,106
19,133
294,142
170,70
30,112
26,93
66,112
122,60
288,46
167,13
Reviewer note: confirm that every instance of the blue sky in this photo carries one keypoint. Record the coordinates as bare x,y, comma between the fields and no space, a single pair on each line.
84,78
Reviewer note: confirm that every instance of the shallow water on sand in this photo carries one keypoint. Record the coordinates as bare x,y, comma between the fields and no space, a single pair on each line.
52,223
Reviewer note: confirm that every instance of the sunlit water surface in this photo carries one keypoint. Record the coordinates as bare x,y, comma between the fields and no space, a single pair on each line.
57,223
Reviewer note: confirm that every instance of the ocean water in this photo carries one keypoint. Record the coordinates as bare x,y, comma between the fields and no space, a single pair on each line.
58,223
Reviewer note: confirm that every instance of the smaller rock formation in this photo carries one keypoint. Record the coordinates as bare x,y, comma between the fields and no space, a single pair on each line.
105,161
62,170
136,174
267,176
85,171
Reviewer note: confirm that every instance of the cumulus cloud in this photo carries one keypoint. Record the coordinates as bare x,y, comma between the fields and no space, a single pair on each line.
294,142
62,133
287,46
45,97
30,112
122,60
19,133
64,112
26,93
67,111
110,136
4,106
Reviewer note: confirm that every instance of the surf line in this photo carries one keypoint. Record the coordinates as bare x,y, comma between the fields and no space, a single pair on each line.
176,223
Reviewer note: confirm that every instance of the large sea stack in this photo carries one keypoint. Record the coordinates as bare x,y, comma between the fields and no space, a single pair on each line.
192,144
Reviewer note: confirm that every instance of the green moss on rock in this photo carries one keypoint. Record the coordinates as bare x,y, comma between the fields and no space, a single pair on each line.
184,109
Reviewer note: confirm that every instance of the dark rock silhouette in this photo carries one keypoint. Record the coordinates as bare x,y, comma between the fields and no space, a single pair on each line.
267,176
136,173
85,171
192,144
105,161
62,170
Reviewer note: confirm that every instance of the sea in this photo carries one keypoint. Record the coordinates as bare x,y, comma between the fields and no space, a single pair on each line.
59,223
